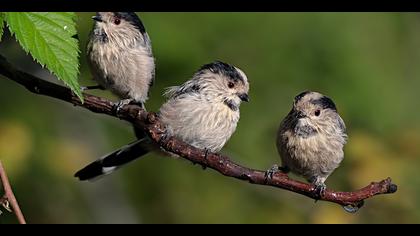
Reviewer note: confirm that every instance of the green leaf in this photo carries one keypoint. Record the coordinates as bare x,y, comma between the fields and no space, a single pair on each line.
47,36
1,25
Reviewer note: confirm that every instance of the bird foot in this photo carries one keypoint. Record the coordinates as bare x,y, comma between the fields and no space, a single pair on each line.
206,153
320,190
270,172
275,169
120,104
6,205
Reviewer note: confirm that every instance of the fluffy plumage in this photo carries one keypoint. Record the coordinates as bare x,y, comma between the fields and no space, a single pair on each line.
120,55
311,137
196,112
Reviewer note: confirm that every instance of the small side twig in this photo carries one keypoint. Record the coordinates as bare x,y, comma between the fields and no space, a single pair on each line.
9,197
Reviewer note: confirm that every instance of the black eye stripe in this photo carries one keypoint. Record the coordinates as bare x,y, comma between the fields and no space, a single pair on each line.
222,68
325,103
132,18
301,95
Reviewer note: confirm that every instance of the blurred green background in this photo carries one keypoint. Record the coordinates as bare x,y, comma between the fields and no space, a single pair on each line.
369,63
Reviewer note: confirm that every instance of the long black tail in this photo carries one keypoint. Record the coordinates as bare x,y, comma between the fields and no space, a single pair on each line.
109,163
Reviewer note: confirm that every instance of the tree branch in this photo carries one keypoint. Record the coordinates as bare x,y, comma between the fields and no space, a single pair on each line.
9,197
156,130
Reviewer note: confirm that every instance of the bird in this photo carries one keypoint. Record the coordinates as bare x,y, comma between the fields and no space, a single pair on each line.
119,54
120,57
311,138
203,112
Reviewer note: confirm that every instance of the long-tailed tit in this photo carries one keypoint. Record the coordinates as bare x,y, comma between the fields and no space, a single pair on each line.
311,138
120,56
203,112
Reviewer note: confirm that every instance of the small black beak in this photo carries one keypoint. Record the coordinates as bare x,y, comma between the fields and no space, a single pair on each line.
97,18
244,97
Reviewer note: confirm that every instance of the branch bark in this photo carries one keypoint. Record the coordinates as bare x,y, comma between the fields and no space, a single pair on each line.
156,130
9,197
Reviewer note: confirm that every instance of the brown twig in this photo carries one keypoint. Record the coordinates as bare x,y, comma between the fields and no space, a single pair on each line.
156,130
9,197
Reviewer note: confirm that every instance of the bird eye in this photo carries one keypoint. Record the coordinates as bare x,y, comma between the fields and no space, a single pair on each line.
317,112
231,85
117,21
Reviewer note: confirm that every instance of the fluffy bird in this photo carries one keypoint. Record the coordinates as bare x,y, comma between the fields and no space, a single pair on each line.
119,53
311,138
203,112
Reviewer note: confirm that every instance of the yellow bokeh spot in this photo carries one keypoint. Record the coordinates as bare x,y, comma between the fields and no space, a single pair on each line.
408,141
372,160
67,156
15,146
